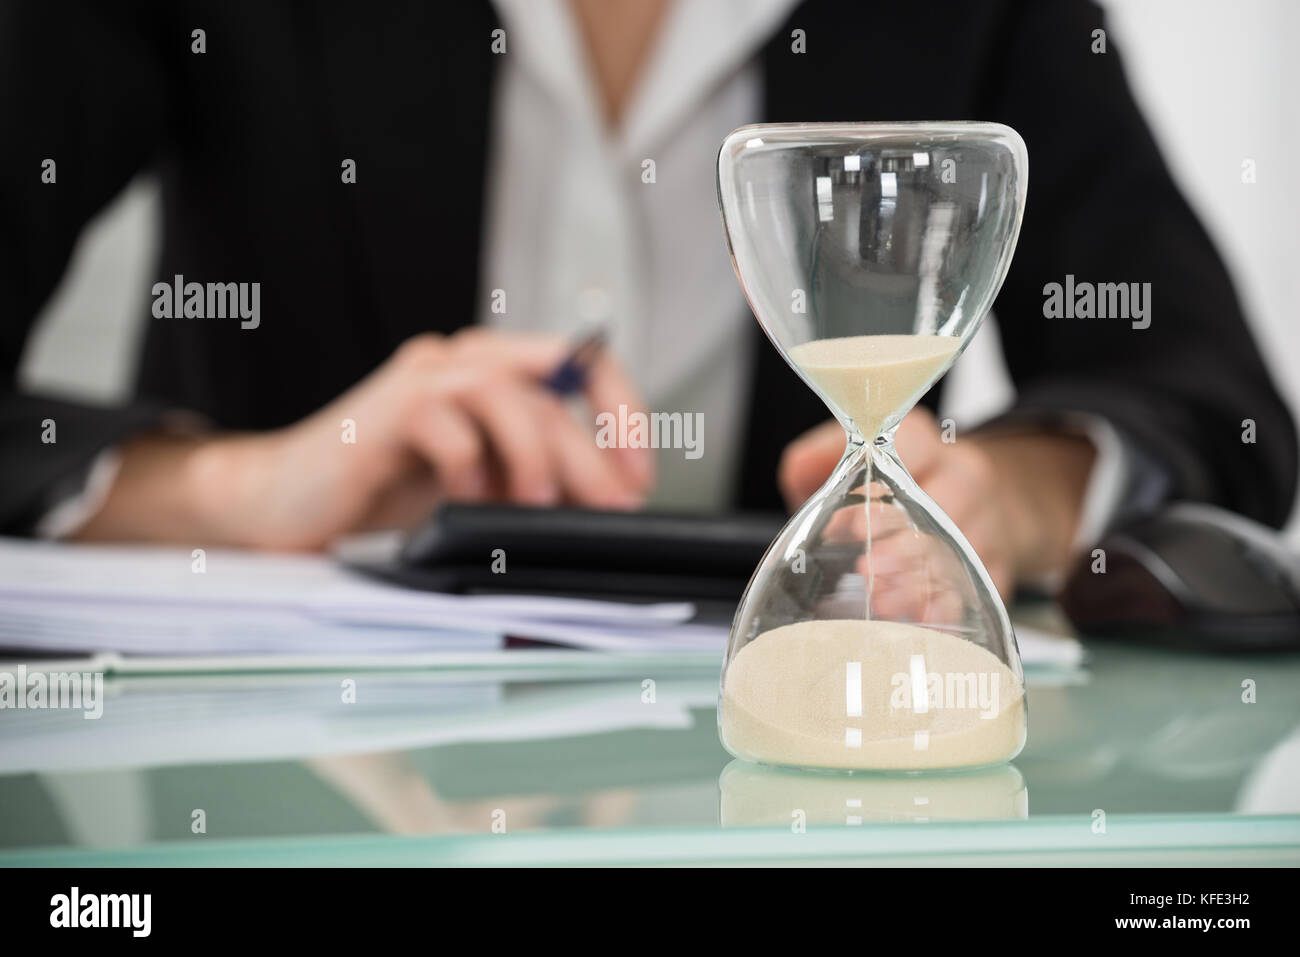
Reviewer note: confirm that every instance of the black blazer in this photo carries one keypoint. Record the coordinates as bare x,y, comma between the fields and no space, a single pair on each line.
248,139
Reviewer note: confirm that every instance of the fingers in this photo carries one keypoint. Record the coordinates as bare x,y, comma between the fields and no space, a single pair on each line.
853,523
918,442
461,417
586,474
1004,578
531,357
808,461
541,454
965,486
408,501
526,355
450,442
480,416
963,482
608,387
505,412
911,578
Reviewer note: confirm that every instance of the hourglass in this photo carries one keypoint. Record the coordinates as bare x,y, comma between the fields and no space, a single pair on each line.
870,636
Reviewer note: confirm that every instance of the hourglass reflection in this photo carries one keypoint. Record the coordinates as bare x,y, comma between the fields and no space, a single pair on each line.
870,636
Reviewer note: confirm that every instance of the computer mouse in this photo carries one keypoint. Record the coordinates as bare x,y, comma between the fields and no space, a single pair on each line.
1190,576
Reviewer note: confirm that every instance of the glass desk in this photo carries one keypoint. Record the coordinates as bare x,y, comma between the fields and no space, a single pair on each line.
1141,757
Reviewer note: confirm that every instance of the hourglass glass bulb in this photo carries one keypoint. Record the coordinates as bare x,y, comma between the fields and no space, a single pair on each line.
871,637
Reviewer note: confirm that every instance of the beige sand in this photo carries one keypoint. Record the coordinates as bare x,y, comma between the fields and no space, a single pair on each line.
872,377
789,698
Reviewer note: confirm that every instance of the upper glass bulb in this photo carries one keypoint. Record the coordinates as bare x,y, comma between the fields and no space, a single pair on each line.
899,231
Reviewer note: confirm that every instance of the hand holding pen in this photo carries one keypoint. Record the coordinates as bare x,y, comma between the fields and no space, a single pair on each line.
477,416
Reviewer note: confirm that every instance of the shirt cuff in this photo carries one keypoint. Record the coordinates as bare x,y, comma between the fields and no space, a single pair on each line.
1103,499
75,500
73,509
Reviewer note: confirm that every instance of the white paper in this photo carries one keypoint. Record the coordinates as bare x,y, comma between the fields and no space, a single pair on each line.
155,602
166,601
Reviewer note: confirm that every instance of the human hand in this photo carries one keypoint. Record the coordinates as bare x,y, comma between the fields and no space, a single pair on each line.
463,417
1016,498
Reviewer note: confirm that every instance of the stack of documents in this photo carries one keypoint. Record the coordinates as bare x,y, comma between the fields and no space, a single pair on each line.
155,603
151,601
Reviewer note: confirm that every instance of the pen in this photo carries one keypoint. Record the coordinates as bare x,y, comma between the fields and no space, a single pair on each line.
570,376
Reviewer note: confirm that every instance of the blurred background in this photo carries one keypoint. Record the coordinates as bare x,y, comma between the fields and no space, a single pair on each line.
1215,79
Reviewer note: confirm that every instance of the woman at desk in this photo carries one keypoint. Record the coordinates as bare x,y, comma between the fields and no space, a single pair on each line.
430,203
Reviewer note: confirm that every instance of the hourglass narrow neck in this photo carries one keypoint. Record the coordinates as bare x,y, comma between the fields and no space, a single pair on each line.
857,447
881,445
